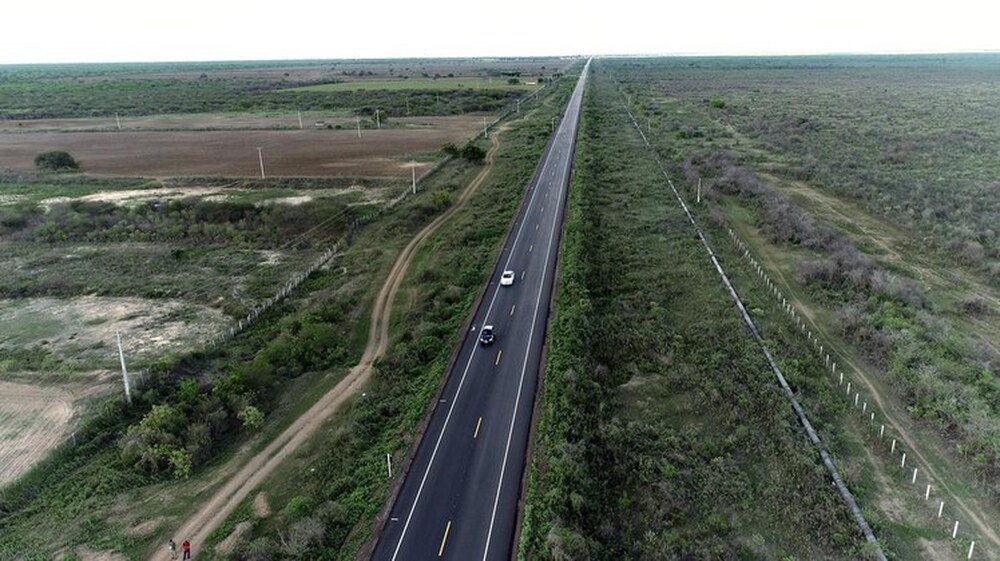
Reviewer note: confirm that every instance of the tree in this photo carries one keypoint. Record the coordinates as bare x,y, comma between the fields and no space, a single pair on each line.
56,160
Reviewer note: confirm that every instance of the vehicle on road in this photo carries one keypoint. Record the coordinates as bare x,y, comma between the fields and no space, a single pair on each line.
486,335
507,278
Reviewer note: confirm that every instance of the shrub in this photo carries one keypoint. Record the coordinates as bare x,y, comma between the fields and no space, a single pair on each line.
56,160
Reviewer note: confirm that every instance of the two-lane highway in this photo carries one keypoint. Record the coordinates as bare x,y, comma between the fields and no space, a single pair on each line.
459,498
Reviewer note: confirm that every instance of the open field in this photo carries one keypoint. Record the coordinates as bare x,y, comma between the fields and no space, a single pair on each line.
661,434
102,90
84,327
866,188
449,83
315,153
229,121
32,421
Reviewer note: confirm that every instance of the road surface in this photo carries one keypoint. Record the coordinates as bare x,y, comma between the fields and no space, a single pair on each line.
459,498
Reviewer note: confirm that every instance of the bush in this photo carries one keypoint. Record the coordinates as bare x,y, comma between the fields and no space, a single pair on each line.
56,160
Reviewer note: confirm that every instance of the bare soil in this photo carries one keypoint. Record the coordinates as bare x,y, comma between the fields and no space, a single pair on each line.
233,153
128,197
32,420
214,511
149,327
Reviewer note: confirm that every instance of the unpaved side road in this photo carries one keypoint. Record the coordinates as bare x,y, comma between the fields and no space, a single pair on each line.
214,511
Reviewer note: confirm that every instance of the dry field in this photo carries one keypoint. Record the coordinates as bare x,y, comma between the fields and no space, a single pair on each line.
85,327
287,153
33,419
35,412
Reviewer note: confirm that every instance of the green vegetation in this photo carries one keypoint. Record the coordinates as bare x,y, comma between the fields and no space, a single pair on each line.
470,151
100,90
436,84
56,160
910,283
661,432
331,495
200,408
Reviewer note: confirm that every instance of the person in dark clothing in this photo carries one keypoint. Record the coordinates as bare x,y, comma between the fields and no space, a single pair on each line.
186,546
172,548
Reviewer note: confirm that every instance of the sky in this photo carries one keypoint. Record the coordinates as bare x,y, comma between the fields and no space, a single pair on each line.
182,30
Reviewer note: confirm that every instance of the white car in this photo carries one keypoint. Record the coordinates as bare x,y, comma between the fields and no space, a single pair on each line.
507,278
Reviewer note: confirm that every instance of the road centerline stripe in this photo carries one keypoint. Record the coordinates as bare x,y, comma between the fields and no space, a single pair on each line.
444,539
499,354
524,367
496,292
479,423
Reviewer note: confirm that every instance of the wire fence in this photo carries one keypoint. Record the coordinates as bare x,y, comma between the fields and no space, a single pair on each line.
828,463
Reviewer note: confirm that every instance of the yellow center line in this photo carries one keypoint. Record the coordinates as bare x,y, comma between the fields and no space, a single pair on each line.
444,539
499,354
478,424
512,309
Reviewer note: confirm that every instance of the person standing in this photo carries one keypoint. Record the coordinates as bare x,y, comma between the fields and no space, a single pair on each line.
172,548
186,546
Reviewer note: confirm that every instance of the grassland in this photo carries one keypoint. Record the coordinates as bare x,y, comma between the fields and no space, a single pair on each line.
661,433
872,244
437,84
195,404
60,91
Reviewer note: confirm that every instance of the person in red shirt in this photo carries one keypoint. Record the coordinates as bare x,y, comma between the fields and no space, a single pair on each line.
186,547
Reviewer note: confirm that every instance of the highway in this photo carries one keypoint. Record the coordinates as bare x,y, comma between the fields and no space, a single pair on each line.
459,499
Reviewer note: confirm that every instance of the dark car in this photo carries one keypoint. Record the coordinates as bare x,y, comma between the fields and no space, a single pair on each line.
486,335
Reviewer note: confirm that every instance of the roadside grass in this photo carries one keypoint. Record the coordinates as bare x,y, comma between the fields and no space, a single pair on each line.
661,432
450,83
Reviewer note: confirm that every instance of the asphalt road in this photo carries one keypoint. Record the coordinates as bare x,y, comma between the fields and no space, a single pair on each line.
459,498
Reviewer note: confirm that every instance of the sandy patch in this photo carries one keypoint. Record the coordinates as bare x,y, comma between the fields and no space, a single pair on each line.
32,420
149,327
227,545
137,195
145,528
87,554
260,506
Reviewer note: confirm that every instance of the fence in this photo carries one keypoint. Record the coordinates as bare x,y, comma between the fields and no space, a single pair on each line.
828,462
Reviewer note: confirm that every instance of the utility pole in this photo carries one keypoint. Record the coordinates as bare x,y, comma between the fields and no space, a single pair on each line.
121,356
300,119
260,157
413,170
378,122
699,190
118,121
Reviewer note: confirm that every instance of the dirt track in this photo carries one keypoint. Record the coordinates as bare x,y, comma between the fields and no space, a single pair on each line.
213,512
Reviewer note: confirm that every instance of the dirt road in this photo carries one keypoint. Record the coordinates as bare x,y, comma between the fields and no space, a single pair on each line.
214,511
